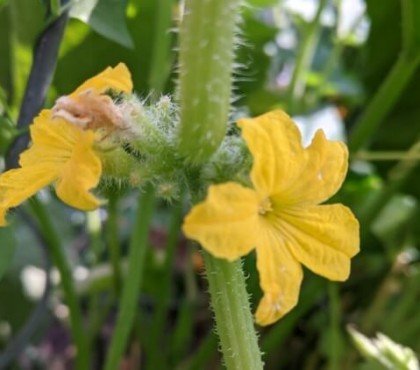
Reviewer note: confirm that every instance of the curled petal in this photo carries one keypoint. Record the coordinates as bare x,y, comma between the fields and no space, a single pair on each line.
322,174
323,238
53,140
280,277
71,149
275,144
117,78
80,174
226,222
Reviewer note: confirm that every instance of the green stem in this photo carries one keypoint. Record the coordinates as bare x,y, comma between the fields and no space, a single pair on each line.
409,24
94,230
205,80
67,283
334,352
113,241
132,281
155,356
396,178
205,75
233,316
203,355
161,46
383,101
304,58
336,51
375,312
386,156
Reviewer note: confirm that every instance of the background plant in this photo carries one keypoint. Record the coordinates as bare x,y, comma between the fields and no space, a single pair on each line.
310,64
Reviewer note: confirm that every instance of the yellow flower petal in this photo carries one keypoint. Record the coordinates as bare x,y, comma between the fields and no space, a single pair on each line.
322,173
275,144
117,78
323,238
60,152
226,222
280,277
80,174
17,185
53,140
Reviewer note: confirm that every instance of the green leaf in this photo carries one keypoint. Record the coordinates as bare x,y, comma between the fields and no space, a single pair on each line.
80,41
396,214
401,127
106,17
7,248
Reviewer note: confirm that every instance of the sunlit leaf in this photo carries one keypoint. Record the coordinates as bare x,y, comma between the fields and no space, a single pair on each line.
107,17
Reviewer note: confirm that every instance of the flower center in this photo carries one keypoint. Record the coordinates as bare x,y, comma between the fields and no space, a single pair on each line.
265,207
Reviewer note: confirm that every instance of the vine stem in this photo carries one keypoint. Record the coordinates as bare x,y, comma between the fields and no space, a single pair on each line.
207,42
235,327
335,350
383,101
133,279
155,360
60,260
161,47
304,58
40,77
396,178
113,241
394,84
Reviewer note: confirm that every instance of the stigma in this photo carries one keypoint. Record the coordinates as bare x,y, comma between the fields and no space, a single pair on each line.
265,207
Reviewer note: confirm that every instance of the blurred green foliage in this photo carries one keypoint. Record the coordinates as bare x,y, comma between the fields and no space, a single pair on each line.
384,289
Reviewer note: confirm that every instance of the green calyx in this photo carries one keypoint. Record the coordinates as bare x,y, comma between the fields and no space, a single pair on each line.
147,150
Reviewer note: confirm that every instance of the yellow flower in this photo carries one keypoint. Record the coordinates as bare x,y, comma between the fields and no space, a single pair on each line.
62,153
281,217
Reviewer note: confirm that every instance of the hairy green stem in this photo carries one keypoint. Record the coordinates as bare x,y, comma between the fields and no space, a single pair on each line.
60,260
205,83
383,101
132,281
234,321
205,75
